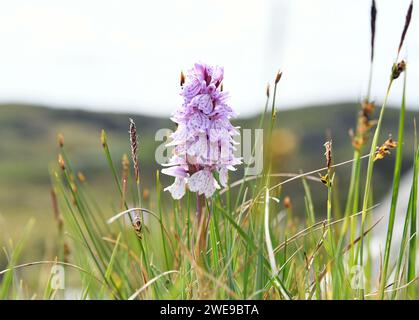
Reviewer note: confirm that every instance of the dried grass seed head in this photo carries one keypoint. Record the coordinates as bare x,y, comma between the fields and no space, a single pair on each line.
373,20
406,25
398,69
134,148
328,153
385,148
278,77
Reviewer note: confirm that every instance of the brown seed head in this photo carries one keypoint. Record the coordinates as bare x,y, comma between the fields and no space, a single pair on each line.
57,215
398,69
61,162
406,25
357,142
67,252
60,139
103,139
138,227
328,153
134,149
278,77
267,90
146,194
287,202
364,124
390,143
367,108
182,78
81,176
373,19
385,148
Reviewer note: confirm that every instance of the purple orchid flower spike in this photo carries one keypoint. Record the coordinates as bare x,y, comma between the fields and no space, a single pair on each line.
203,142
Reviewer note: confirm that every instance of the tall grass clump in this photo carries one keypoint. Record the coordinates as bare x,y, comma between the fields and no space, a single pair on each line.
214,235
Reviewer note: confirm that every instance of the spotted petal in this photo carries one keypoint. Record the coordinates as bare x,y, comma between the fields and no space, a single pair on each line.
203,102
223,174
177,189
203,182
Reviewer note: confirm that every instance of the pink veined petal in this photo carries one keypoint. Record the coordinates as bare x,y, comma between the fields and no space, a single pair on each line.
175,171
218,130
209,191
198,122
223,97
226,153
199,147
217,74
179,136
203,182
177,189
180,115
192,89
179,155
222,109
176,160
199,180
212,90
211,187
203,102
199,70
214,153
192,159
233,161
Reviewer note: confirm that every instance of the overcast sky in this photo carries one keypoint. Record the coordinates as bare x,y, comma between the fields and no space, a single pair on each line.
126,55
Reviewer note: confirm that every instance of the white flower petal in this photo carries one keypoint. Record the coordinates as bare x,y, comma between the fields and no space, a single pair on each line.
223,172
203,182
177,189
203,102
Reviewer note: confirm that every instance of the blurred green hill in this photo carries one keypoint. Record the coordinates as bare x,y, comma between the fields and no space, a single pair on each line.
28,151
